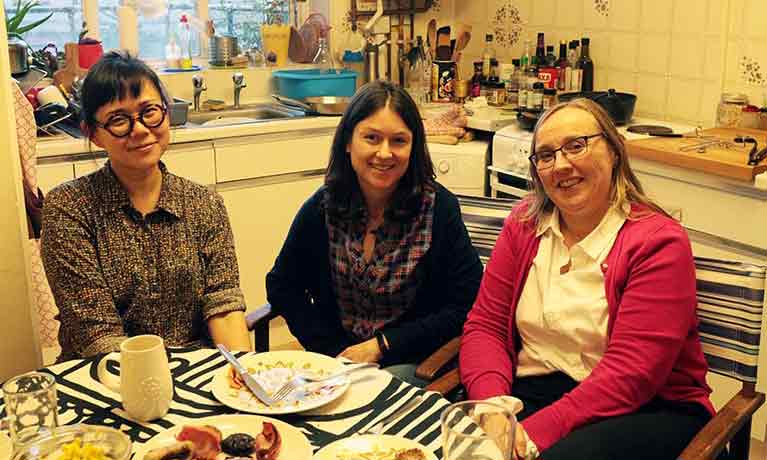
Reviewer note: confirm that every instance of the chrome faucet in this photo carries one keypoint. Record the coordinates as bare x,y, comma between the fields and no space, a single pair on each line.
239,83
199,86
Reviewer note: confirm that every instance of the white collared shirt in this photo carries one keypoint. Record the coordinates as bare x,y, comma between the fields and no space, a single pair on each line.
562,314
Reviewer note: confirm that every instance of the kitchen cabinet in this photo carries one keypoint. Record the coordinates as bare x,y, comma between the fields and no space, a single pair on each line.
267,155
49,175
264,180
194,161
261,213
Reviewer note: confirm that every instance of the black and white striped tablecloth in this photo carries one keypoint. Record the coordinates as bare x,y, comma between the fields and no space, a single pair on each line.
83,399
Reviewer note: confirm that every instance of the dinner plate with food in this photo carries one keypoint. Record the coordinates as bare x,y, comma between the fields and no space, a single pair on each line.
272,370
223,437
374,447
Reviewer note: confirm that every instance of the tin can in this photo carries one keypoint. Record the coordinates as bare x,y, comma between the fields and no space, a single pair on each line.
444,83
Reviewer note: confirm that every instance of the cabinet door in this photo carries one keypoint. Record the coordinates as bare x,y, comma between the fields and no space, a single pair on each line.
194,161
51,175
85,167
261,214
271,154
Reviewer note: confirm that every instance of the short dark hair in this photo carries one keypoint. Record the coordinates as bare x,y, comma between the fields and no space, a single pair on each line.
115,76
341,180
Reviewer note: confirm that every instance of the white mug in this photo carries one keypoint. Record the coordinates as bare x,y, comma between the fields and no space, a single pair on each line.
51,94
144,383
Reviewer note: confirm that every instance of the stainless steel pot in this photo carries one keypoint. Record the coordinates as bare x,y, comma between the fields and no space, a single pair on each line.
325,105
17,54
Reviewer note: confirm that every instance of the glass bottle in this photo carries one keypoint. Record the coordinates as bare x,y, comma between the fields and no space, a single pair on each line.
540,51
562,64
525,60
488,54
185,42
324,59
586,65
551,59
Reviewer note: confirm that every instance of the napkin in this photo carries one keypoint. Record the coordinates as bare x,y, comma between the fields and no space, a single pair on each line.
515,405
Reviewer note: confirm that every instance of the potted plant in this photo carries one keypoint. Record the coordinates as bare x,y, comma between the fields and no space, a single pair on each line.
17,47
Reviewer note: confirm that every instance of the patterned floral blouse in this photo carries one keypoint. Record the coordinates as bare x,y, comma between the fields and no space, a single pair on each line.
373,294
116,274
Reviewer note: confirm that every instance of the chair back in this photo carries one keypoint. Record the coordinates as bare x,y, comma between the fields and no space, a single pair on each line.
484,219
730,304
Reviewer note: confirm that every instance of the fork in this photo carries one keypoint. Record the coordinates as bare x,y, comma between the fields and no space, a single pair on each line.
302,380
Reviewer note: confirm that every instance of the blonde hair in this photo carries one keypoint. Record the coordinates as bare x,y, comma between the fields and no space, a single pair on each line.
625,187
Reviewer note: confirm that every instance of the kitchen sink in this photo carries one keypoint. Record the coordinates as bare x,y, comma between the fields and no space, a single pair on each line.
245,114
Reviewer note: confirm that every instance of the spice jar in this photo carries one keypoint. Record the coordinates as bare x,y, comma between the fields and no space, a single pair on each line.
535,98
549,98
495,92
730,110
749,117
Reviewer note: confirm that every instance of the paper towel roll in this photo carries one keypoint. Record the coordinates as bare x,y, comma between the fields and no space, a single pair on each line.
128,20
91,17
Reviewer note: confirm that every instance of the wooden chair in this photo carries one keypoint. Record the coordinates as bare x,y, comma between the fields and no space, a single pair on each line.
484,219
730,304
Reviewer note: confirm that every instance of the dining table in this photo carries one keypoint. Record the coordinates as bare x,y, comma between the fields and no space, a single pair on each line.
373,396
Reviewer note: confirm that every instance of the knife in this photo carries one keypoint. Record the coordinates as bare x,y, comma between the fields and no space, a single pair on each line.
248,379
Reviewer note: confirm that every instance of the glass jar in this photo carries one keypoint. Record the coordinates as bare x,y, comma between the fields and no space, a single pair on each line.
730,110
495,93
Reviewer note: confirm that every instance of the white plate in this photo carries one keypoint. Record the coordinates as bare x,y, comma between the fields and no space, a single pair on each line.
376,446
6,446
295,446
272,369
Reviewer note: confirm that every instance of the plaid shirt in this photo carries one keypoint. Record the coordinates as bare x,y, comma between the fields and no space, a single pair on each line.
373,294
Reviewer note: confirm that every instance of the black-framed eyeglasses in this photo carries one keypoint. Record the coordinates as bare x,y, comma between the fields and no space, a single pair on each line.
572,150
121,125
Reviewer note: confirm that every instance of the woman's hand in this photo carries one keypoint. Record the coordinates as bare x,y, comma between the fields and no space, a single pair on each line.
365,352
520,443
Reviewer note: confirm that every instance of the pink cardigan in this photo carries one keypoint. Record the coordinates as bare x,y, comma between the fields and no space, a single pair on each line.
653,345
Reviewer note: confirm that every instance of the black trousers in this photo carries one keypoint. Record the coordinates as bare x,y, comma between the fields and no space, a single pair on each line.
658,430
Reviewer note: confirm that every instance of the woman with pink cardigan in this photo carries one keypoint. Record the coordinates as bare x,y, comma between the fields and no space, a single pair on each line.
586,311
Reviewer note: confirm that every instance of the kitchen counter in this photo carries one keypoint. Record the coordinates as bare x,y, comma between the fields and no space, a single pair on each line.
63,145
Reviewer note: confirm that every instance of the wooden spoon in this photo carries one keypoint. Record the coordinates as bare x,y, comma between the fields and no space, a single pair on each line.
464,36
431,36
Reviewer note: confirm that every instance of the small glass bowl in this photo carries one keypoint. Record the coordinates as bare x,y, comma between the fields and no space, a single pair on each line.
116,444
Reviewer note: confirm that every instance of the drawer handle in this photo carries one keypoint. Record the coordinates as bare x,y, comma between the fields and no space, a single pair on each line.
443,167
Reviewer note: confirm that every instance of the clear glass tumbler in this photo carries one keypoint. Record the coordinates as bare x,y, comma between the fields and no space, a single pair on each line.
31,406
477,430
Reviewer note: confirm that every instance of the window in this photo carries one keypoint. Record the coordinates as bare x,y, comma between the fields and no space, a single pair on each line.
64,26
241,18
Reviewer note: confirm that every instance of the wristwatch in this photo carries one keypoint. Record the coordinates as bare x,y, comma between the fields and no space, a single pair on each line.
382,343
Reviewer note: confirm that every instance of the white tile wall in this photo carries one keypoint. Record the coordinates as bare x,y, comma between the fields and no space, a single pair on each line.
677,55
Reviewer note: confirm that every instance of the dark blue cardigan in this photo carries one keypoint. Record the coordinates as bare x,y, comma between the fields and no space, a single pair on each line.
299,286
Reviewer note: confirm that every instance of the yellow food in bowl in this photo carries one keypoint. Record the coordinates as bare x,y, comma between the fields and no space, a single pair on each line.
76,450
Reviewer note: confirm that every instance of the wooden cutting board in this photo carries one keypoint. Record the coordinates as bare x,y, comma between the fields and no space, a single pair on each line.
731,163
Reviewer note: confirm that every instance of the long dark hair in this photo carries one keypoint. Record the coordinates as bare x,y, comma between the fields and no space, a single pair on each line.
345,197
116,76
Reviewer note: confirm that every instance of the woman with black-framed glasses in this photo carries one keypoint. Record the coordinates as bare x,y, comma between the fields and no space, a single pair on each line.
133,249
586,311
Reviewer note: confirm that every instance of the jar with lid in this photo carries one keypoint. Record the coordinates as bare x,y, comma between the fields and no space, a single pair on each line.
495,91
729,112
549,98
535,97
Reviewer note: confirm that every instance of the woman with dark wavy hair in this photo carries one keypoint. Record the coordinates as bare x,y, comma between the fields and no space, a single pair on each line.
377,266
